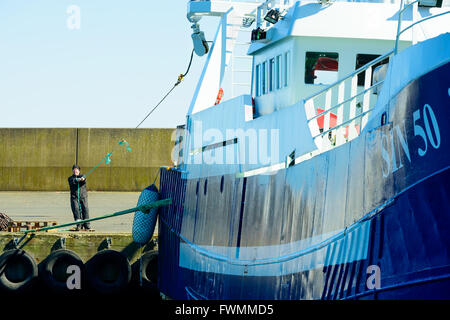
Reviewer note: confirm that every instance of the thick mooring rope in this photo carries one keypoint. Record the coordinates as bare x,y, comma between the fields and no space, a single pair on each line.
180,78
143,208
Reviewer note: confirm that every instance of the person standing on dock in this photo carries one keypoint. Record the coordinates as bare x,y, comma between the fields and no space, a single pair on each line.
78,197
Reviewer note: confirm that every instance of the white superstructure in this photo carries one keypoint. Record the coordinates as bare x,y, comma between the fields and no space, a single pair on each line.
277,71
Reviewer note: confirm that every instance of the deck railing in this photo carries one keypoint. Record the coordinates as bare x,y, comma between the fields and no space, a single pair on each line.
347,126
356,102
403,8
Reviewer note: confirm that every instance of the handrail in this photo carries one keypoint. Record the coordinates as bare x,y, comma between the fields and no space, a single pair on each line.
363,68
346,100
342,100
400,14
422,20
343,123
399,22
343,96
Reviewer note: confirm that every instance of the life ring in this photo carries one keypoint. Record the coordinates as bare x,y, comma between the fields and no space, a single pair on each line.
53,271
147,268
18,270
108,271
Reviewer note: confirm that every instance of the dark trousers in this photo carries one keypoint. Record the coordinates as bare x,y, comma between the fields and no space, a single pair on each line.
80,212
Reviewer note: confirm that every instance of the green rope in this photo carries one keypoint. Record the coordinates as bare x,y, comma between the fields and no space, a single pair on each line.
143,208
107,160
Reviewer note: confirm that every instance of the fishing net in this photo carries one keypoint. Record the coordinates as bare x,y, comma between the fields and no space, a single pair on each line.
4,222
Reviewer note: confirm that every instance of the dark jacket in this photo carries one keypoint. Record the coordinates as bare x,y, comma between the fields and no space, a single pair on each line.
73,184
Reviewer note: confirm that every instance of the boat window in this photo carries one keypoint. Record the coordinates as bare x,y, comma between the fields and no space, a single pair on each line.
263,78
321,67
362,59
286,68
271,74
258,80
278,72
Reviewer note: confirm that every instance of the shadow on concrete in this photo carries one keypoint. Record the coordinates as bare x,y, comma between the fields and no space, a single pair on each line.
16,244
131,249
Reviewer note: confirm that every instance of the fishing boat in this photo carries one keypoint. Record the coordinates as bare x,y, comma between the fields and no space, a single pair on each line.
314,161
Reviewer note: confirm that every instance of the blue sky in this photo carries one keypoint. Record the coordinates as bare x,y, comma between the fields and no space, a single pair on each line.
108,73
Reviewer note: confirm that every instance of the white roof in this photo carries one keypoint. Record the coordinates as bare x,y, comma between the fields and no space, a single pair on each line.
353,20
346,20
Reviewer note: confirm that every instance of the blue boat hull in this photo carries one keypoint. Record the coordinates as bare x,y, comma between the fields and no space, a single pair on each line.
367,220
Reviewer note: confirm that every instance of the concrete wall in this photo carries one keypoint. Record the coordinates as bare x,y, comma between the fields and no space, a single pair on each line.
41,159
